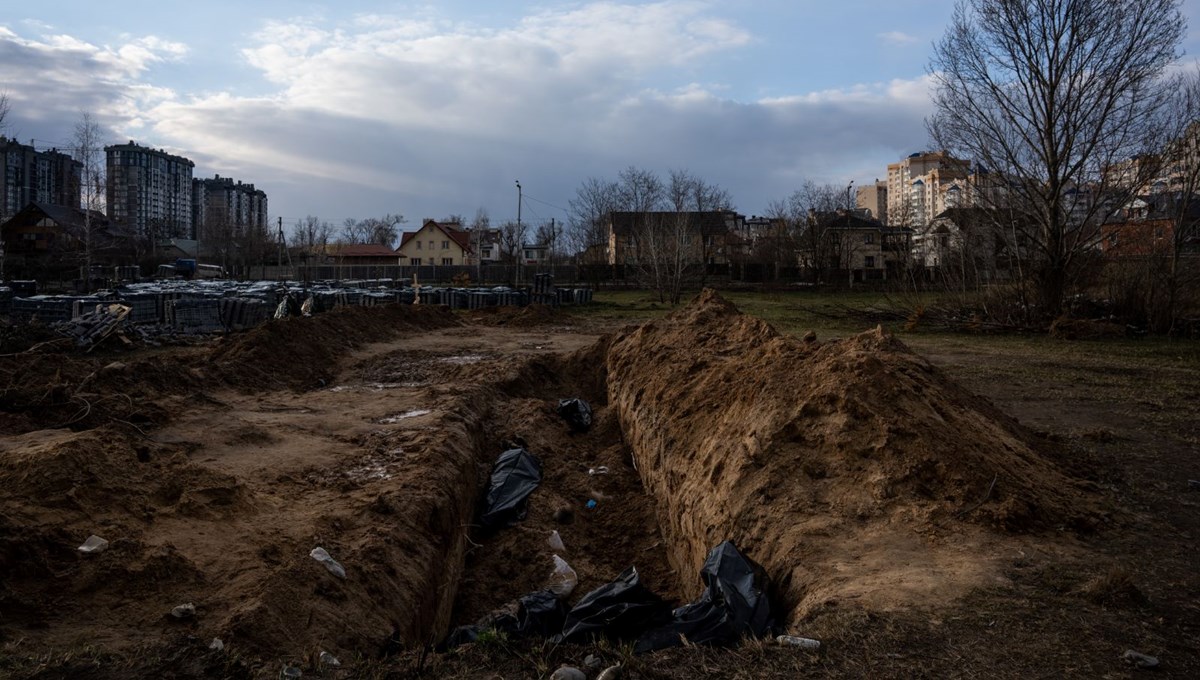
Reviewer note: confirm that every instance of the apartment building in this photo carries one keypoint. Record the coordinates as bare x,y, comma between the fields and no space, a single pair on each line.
31,176
223,208
920,186
874,199
149,191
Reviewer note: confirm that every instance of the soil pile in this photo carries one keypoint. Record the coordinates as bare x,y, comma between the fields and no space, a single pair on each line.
303,353
850,469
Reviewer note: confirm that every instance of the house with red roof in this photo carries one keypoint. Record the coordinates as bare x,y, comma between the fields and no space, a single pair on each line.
371,254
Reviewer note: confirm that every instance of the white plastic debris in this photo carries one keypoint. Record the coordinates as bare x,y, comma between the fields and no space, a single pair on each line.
93,544
555,542
1140,660
184,611
321,555
290,673
216,644
328,659
602,470
563,580
801,642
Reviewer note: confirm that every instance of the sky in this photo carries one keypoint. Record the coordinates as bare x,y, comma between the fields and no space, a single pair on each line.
357,109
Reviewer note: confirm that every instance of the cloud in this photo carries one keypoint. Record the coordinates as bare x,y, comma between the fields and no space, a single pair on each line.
898,39
420,115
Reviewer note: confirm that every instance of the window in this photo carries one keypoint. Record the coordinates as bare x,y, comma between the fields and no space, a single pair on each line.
415,261
529,255
445,245
869,238
431,245
487,253
418,245
870,262
448,260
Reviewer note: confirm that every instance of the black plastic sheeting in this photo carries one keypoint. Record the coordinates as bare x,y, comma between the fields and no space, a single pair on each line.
621,610
539,614
577,413
516,474
732,606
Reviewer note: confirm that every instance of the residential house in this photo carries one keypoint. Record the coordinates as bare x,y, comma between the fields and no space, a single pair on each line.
42,237
704,235
485,243
855,247
983,244
437,244
370,254
1146,226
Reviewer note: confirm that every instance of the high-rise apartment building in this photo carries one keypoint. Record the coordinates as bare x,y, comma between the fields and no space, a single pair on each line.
873,198
150,191
28,175
222,208
923,185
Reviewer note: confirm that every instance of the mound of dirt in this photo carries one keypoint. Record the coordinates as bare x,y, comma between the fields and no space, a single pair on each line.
850,469
302,353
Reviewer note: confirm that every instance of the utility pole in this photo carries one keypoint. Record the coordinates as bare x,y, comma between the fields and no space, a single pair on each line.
520,234
279,258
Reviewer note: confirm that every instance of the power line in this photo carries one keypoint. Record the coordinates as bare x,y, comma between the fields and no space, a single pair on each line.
557,207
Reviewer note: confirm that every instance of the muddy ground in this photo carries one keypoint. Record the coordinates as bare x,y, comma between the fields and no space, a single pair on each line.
214,470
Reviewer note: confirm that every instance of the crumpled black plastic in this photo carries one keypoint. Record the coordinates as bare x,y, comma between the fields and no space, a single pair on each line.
732,606
516,474
621,610
539,614
577,413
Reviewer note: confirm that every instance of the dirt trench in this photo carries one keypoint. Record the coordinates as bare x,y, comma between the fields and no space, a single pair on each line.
851,471
368,434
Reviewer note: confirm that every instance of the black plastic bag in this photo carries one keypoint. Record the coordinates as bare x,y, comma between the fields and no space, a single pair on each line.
622,610
732,606
577,413
539,614
516,474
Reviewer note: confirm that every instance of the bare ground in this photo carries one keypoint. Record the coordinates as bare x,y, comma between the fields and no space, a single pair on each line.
215,495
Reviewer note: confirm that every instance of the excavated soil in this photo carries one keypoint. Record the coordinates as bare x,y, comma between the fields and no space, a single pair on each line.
851,470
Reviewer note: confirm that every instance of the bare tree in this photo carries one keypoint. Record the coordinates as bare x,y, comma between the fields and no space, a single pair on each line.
587,231
1181,158
378,230
311,233
1052,95
549,234
5,107
88,149
512,240
809,213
